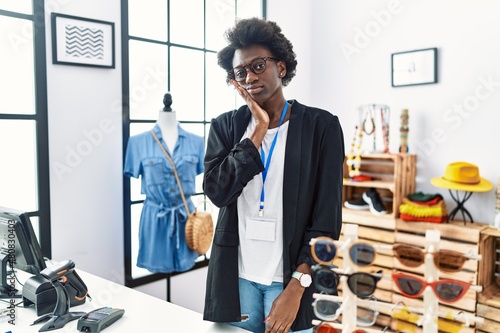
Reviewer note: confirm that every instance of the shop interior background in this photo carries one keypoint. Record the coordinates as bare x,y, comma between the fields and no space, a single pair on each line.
344,60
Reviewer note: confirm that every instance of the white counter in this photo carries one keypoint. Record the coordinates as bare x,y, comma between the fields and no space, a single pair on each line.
143,313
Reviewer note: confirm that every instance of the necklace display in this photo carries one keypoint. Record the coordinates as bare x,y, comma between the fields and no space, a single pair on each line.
353,160
374,121
370,127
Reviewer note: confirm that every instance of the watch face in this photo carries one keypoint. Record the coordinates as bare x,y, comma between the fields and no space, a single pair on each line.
305,280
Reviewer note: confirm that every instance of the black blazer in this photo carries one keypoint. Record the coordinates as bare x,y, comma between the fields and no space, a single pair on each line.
312,199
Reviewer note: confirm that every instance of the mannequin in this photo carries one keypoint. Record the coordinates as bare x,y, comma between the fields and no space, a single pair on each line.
167,121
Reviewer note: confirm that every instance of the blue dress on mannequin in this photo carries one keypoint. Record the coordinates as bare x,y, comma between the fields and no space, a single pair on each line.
162,241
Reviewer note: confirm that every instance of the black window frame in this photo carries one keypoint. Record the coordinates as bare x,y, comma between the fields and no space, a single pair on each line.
41,120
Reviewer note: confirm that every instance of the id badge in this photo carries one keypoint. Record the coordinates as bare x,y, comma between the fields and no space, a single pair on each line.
263,229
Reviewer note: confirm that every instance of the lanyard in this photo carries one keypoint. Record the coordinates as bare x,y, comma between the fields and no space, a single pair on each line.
268,161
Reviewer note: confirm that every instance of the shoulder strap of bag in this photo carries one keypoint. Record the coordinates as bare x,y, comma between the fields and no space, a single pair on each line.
175,170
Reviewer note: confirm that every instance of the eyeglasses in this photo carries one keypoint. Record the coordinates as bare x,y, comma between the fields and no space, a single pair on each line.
257,66
446,290
329,310
360,283
324,251
445,260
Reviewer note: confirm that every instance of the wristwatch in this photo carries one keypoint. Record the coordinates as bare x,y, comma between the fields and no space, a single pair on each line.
304,279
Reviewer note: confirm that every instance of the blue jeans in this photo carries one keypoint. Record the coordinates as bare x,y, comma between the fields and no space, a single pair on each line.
256,300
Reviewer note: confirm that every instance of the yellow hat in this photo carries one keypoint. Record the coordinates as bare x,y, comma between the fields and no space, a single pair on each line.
462,176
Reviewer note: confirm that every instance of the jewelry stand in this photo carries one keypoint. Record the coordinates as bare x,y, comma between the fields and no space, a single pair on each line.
460,206
374,121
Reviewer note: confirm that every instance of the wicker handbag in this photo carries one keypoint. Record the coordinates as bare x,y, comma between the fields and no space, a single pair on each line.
199,225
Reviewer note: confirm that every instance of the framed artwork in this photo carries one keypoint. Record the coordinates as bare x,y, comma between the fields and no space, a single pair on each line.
82,42
414,67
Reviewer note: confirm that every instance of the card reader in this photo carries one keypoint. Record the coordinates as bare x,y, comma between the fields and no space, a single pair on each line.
99,319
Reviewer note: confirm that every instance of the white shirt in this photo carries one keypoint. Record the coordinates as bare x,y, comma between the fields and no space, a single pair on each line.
261,261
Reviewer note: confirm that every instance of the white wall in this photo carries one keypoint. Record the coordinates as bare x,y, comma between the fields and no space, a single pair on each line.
466,35
85,144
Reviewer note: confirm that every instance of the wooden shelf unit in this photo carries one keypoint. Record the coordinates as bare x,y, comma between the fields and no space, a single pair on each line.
488,305
393,178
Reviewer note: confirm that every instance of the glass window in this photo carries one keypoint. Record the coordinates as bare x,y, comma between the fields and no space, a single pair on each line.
148,78
19,6
187,82
220,16
156,14
17,65
186,22
249,8
24,165
18,168
220,97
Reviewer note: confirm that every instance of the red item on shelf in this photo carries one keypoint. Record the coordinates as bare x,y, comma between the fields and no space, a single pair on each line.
433,219
361,178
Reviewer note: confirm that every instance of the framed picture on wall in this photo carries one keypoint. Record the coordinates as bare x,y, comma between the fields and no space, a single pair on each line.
82,41
414,67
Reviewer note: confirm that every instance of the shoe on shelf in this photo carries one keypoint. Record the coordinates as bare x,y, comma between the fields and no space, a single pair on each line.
357,204
372,197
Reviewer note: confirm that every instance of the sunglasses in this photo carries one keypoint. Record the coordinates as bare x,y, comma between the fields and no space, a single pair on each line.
361,284
406,315
324,251
329,310
450,325
327,328
446,290
445,260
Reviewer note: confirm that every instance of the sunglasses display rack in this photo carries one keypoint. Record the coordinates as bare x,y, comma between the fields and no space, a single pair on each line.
428,296
349,299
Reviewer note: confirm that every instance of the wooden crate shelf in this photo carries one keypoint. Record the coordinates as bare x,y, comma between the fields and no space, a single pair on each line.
457,231
365,218
393,178
489,300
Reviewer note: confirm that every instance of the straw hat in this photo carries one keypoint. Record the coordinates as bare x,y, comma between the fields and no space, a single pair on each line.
462,176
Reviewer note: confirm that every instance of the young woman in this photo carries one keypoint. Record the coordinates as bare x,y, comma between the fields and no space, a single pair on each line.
274,167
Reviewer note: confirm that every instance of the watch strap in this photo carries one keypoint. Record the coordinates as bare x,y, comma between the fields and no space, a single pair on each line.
297,275
304,283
